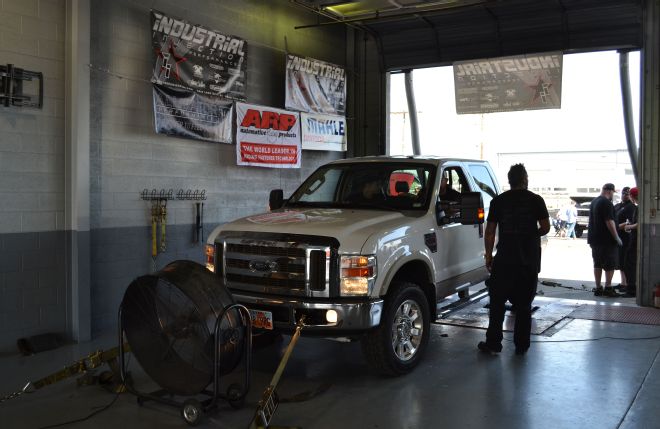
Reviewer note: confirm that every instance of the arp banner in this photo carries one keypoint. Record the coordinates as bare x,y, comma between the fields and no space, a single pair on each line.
192,57
323,132
522,82
267,137
187,114
315,86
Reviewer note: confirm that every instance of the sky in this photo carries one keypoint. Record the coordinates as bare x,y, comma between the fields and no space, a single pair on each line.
590,117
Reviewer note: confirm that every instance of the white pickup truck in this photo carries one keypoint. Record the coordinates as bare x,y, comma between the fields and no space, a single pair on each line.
364,249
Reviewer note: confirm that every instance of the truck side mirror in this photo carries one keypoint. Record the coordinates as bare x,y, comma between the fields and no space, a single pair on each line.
472,209
276,199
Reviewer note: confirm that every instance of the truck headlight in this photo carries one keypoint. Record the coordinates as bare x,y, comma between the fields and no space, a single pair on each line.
210,257
357,275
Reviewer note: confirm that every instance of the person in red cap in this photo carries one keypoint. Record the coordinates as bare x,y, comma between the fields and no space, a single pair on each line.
630,258
623,214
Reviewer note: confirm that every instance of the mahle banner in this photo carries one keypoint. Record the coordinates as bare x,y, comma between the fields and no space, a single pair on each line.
315,86
195,58
323,132
523,82
267,137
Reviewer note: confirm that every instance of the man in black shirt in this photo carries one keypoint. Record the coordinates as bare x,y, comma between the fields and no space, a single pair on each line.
603,239
623,214
446,193
630,257
522,218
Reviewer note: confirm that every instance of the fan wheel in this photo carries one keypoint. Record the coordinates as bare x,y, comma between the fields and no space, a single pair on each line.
192,412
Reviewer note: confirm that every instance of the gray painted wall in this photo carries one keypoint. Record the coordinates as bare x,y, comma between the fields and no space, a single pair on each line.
32,279
127,157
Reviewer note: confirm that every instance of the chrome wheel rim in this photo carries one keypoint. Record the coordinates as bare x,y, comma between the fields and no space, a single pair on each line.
407,330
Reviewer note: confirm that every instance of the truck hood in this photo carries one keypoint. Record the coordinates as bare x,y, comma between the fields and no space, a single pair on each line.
351,227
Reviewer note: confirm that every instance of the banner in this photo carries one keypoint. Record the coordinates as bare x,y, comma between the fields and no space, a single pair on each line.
523,82
186,114
323,132
315,86
192,57
267,137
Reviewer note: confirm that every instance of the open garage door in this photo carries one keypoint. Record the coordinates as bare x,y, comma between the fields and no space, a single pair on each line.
420,33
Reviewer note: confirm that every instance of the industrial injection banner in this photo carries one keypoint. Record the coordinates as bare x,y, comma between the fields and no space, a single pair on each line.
522,82
187,114
267,137
192,57
323,132
315,86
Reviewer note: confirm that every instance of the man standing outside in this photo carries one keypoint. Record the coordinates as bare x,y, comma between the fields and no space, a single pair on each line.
603,239
522,218
571,220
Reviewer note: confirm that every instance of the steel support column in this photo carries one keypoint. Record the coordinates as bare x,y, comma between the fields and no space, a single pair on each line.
649,198
76,169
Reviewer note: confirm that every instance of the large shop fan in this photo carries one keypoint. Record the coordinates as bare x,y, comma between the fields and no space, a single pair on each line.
185,330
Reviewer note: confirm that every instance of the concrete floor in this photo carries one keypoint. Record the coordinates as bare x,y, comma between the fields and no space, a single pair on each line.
586,384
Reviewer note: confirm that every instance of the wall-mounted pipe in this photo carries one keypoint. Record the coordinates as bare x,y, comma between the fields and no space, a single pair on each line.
626,99
412,111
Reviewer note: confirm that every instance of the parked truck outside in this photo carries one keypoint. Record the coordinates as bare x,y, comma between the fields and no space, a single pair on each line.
364,249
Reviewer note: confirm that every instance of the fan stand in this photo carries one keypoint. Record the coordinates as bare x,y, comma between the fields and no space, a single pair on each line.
192,410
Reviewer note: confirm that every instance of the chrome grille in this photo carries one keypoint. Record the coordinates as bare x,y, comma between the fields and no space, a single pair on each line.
276,267
266,250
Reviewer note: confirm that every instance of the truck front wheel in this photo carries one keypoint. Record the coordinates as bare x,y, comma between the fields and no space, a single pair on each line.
396,346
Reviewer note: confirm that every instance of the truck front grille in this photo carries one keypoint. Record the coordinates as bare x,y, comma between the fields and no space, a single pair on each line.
276,266
264,281
266,250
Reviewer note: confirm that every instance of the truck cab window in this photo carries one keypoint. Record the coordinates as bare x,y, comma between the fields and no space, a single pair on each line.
452,184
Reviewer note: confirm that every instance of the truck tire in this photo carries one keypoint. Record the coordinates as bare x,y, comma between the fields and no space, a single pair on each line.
397,345
579,231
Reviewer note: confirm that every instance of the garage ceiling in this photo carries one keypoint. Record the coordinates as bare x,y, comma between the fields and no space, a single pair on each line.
421,33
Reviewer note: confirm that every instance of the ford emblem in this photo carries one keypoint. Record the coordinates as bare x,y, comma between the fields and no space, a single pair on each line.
263,266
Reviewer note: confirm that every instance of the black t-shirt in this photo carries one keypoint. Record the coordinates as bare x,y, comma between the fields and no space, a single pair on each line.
600,211
633,232
516,213
623,211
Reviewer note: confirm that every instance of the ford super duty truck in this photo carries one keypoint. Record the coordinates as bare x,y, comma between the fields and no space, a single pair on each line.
363,249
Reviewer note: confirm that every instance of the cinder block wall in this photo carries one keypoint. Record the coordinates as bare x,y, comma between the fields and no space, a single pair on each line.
32,279
126,155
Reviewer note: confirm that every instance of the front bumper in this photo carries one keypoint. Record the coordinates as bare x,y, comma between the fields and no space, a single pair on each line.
352,316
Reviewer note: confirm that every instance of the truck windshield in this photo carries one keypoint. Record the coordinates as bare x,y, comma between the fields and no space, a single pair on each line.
375,185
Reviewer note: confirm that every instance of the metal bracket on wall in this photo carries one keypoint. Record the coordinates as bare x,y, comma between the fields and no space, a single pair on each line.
190,195
156,195
197,196
11,87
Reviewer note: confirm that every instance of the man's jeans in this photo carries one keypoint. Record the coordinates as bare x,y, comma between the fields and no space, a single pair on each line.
570,229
